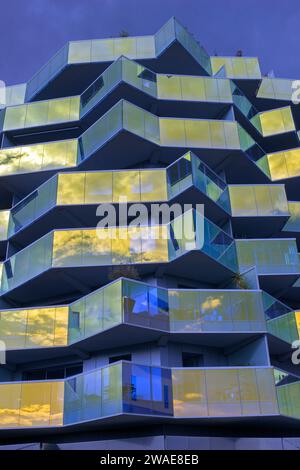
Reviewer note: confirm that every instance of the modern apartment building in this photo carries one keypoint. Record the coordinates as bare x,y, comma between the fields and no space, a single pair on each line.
125,342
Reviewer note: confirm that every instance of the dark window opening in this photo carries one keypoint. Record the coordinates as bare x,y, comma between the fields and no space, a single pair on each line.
192,360
122,357
52,373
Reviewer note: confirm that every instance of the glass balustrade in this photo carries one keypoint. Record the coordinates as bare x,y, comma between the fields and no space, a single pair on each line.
38,157
41,113
276,121
140,390
120,245
237,67
275,88
258,200
135,303
269,256
281,165
98,187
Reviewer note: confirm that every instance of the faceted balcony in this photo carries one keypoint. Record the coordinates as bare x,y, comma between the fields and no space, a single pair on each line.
245,71
258,210
274,93
276,262
125,392
66,260
184,95
78,63
139,134
277,128
69,199
132,312
283,166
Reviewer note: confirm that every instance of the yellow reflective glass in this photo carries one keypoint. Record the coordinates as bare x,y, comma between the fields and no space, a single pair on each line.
242,200
189,393
13,328
223,392
277,166
126,186
193,88
40,327
172,132
169,87
98,187
37,113
67,248
70,189
197,133
277,121
4,218
10,397
14,117
154,244
79,51
126,47
153,185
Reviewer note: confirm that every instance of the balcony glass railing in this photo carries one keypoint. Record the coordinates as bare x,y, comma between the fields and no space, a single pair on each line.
110,49
269,256
42,113
285,327
120,245
281,165
193,88
96,187
169,132
275,88
288,392
258,200
237,67
273,308
38,157
139,389
293,224
276,121
15,94
135,303
160,86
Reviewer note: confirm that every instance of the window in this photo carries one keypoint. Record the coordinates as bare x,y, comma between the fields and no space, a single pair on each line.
192,360
122,357
53,373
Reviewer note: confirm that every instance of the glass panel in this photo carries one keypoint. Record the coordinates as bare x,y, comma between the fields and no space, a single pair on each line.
70,188
126,184
189,393
98,187
223,392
